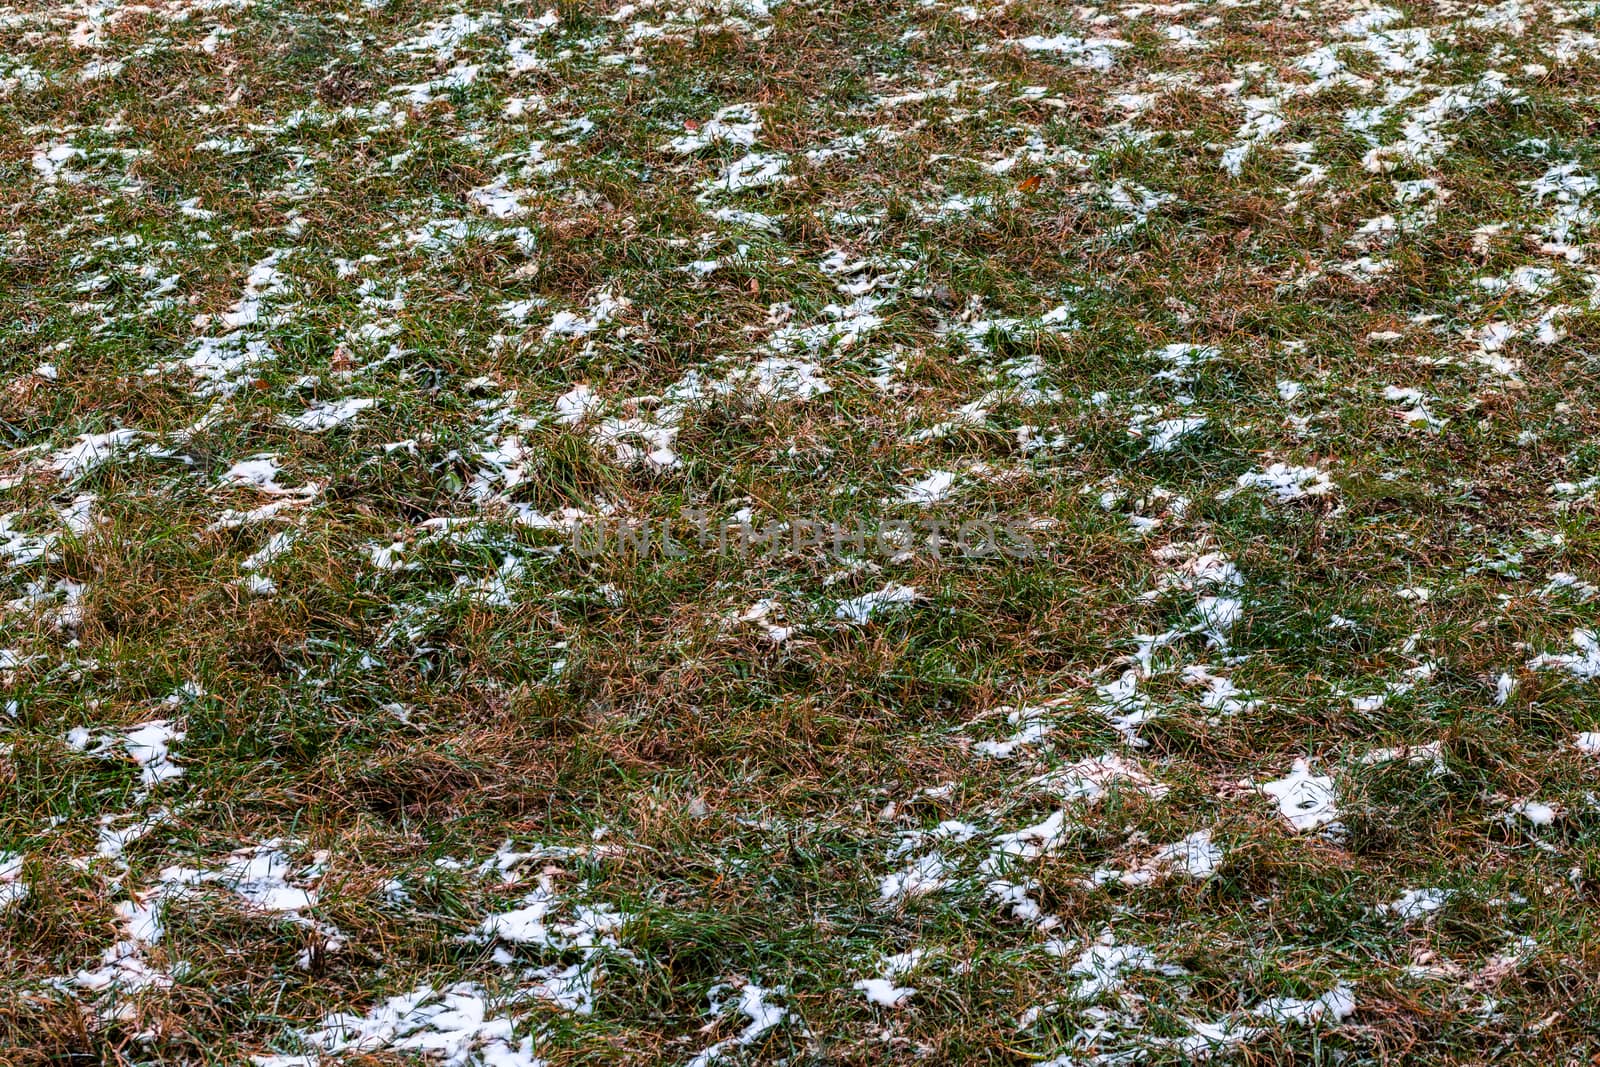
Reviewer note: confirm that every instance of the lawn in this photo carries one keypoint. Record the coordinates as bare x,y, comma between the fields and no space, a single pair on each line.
716,532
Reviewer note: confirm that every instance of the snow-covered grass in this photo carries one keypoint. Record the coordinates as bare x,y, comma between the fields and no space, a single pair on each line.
1100,564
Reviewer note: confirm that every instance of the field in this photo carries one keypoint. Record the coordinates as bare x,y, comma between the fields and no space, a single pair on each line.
732,532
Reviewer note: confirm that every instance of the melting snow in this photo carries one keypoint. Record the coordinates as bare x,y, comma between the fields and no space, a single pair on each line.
861,609
1306,800
320,417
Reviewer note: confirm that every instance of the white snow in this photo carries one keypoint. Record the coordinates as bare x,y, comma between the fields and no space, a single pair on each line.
13,890
1288,483
861,609
1417,903
930,489
763,1015
883,992
320,417
1305,800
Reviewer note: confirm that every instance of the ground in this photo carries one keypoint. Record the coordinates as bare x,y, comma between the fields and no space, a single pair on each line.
724,531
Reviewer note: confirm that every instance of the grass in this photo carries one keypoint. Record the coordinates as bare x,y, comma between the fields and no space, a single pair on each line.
405,708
